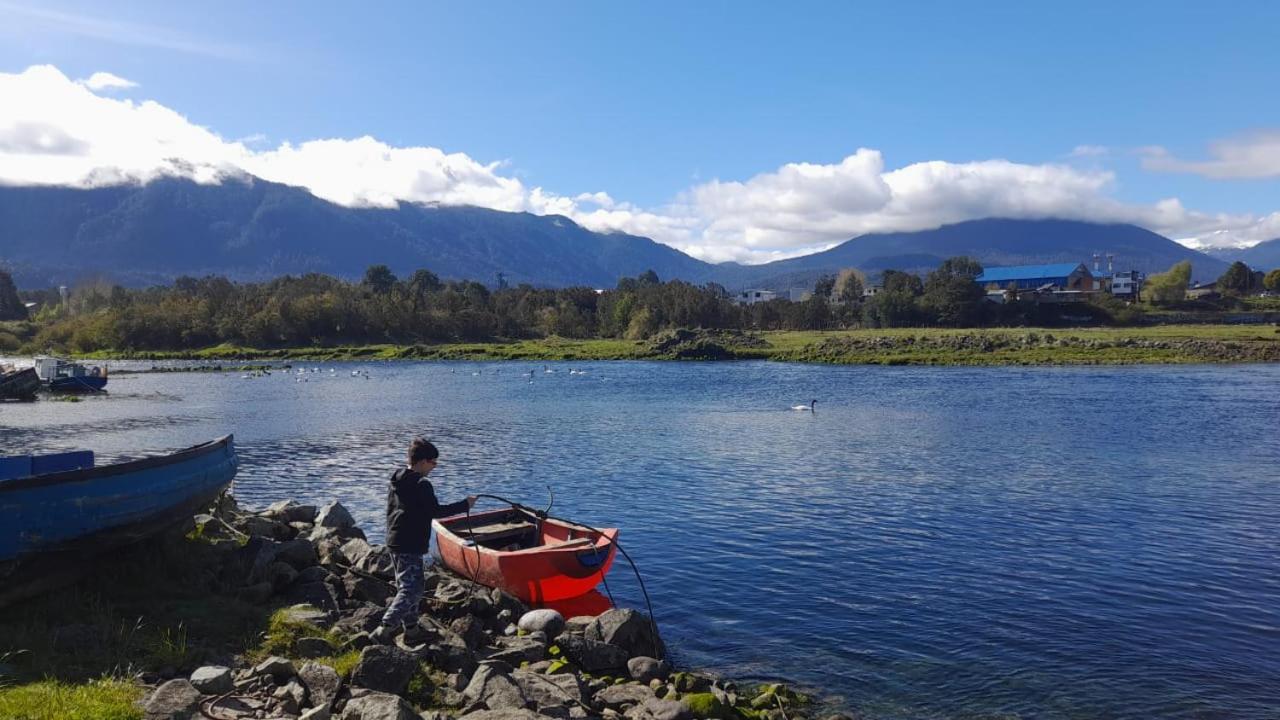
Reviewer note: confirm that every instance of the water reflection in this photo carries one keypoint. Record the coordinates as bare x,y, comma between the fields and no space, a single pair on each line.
1053,543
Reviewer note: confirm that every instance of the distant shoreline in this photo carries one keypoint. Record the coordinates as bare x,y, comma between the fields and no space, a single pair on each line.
1163,344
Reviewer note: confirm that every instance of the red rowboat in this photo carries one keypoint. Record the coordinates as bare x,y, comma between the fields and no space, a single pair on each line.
536,559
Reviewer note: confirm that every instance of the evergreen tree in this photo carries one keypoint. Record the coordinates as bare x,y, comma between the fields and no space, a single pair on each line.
11,306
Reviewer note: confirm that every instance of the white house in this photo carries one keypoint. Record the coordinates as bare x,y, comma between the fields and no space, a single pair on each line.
751,297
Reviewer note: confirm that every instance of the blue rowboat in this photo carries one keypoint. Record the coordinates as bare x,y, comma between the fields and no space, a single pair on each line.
58,511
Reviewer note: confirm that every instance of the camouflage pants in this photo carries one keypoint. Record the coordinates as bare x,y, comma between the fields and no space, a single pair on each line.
410,584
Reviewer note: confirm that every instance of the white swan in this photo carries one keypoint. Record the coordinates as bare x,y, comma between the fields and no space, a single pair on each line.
805,408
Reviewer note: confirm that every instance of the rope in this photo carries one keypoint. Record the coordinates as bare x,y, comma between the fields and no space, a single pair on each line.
543,514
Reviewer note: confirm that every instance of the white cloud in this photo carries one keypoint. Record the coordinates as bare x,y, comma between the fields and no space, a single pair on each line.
1250,156
56,131
106,81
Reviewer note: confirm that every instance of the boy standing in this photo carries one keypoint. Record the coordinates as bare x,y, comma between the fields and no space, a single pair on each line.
411,506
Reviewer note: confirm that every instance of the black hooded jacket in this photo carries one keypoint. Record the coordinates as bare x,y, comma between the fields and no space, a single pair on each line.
411,505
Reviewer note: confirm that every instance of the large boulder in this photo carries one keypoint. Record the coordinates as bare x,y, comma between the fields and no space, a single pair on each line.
593,656
212,679
515,650
289,511
318,594
622,696
494,689
450,655
645,669
628,629
547,691
546,620
322,683
363,587
378,706
385,668
279,669
334,515
656,709
174,700
300,553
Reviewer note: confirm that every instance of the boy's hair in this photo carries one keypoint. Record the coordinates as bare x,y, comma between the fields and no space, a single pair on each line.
422,450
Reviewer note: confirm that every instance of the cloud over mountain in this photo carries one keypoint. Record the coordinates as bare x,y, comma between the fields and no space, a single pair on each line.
56,131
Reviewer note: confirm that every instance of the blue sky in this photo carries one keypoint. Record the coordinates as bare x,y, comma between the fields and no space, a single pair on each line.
688,115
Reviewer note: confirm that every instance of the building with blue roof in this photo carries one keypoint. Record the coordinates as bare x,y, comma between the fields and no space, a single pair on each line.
1061,276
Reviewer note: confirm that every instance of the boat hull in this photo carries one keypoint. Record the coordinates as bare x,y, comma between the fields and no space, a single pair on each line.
19,385
556,570
78,384
51,524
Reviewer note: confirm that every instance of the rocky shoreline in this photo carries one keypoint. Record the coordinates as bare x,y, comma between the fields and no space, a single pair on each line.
484,654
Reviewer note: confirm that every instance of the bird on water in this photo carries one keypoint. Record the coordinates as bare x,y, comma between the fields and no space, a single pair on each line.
806,408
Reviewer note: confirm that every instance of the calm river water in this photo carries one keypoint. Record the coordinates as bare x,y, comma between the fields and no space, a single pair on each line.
931,543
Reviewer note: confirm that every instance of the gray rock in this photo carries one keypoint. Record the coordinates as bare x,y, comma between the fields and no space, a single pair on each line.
471,629
666,710
645,669
385,668
494,689
289,511
628,629
277,668
593,656
322,683
290,697
316,713
512,714
281,575
451,656
315,573
365,618
577,624
550,690
174,700
625,695
547,621
515,650
378,706
356,551
503,600
299,553
334,515
368,589
212,679
305,614
320,595
313,647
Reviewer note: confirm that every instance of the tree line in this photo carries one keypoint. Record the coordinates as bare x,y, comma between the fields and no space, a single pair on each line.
321,310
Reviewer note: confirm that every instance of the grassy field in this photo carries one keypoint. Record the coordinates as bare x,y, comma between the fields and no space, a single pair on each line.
902,346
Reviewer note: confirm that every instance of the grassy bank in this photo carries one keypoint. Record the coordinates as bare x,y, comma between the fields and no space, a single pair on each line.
903,346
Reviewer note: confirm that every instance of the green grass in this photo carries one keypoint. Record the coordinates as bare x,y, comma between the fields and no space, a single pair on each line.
919,346
151,608
103,699
284,631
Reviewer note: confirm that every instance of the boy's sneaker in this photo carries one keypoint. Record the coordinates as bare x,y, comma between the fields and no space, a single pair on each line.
384,635
416,634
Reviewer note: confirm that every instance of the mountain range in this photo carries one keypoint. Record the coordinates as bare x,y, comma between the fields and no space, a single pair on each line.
252,229
1263,256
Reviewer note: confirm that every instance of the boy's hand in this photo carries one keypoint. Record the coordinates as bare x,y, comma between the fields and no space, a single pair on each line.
471,501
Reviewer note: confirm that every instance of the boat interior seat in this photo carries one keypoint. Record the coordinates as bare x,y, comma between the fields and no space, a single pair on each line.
585,542
496,532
